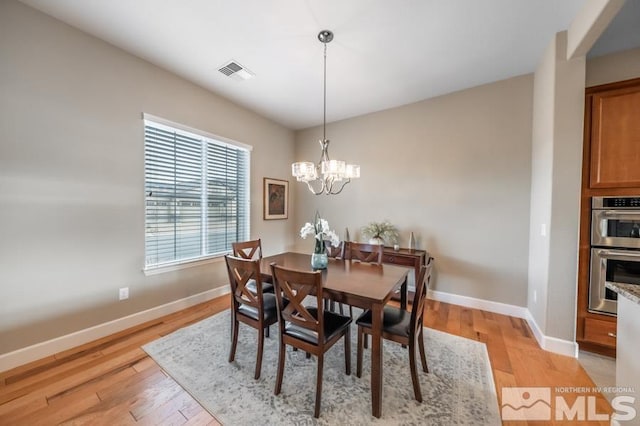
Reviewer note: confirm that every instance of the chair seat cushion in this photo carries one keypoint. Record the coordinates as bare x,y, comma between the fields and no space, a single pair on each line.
270,311
266,287
396,321
333,324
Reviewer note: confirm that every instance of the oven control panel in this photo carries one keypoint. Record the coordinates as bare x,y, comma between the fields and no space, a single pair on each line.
616,202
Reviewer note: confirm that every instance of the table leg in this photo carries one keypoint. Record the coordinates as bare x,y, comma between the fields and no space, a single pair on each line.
376,360
404,289
403,293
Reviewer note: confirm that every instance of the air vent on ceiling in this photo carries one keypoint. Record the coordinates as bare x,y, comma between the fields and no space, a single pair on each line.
236,71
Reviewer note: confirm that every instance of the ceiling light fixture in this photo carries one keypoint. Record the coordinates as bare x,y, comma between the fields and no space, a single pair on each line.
328,176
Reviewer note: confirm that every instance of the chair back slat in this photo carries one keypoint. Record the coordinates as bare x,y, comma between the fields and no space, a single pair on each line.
295,286
423,282
247,249
295,312
334,252
242,272
368,253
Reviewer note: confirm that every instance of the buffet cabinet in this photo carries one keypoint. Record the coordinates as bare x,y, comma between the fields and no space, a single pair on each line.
406,257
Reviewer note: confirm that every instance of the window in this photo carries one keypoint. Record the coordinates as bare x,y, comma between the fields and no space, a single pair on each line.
196,193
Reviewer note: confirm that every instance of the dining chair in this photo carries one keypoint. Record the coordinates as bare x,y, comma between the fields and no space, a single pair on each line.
402,327
311,329
252,250
252,307
363,252
334,252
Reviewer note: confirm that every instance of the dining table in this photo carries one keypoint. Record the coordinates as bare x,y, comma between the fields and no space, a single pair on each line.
364,285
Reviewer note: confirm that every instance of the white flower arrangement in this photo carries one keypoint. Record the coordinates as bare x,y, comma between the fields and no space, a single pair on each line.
320,230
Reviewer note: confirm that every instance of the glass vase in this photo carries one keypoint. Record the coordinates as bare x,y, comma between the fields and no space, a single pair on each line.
319,260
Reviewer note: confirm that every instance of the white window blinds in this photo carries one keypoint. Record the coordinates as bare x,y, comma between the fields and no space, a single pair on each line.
197,194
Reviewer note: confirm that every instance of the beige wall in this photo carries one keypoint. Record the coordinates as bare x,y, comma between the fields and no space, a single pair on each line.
541,184
459,171
619,66
567,143
555,190
455,170
557,141
71,177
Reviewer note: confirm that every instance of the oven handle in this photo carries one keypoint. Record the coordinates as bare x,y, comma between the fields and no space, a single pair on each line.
633,214
619,255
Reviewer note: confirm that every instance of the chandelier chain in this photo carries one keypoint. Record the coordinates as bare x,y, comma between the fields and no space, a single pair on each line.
324,116
327,176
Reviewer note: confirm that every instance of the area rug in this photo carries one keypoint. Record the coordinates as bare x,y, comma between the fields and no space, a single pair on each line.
458,390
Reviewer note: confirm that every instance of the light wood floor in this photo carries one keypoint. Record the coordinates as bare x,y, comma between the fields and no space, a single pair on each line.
113,382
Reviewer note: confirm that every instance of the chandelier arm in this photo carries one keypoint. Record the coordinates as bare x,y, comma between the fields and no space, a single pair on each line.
320,191
331,192
328,184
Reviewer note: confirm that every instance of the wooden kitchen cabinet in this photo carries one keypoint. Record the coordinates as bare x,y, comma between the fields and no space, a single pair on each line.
615,135
610,167
600,331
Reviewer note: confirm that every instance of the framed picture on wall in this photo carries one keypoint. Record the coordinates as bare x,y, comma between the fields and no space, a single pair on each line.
276,199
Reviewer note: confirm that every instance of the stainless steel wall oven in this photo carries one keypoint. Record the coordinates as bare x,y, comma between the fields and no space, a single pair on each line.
615,249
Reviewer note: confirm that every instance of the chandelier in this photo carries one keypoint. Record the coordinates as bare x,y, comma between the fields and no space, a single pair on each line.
327,176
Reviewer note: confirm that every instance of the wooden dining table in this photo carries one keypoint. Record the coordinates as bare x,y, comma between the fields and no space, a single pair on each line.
365,285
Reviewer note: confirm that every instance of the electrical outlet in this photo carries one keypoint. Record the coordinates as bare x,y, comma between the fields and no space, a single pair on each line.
124,293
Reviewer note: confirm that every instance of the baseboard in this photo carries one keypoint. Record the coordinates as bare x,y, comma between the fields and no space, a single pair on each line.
41,350
551,344
485,305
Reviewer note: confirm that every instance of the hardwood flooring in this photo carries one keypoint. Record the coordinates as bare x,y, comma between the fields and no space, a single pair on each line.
112,381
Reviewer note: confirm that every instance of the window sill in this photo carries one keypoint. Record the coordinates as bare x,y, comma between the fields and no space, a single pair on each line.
183,264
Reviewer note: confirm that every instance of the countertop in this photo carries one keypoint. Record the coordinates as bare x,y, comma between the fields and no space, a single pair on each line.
630,291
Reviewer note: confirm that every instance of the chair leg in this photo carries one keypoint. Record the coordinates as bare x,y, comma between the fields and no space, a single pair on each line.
359,353
267,331
259,356
341,308
316,413
234,339
423,358
366,341
281,356
347,351
414,372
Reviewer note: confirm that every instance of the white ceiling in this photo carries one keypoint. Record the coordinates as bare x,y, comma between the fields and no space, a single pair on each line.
623,33
385,53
